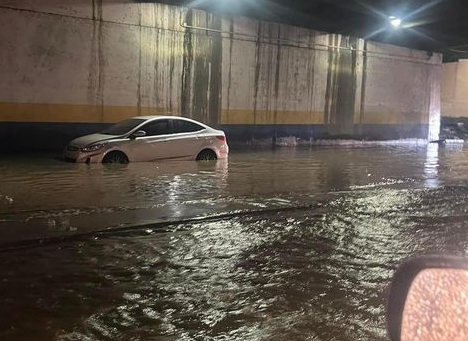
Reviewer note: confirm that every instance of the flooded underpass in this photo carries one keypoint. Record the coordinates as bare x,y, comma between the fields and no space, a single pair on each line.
288,244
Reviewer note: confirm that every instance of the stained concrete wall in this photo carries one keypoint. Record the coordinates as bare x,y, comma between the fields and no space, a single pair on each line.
68,67
454,94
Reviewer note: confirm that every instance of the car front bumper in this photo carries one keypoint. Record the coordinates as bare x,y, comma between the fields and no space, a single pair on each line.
78,156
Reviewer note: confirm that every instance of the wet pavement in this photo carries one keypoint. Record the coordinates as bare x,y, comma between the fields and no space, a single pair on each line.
292,244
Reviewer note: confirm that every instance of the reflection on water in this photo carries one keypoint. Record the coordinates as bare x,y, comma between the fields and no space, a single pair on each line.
431,165
42,197
297,244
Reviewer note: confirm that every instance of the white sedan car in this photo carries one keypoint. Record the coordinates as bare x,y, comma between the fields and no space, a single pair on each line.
149,138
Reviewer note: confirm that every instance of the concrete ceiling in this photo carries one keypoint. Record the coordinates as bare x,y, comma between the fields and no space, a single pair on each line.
433,25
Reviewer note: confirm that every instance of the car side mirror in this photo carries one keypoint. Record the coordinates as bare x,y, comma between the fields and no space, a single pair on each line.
429,300
138,133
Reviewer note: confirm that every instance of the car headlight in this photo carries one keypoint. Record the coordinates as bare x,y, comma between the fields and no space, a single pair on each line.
92,148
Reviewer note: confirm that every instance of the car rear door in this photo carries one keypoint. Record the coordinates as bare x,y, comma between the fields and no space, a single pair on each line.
185,142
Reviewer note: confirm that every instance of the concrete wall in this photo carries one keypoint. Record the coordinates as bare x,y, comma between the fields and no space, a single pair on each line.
454,94
69,67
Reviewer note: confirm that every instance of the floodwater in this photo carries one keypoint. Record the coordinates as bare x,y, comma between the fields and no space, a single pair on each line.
286,244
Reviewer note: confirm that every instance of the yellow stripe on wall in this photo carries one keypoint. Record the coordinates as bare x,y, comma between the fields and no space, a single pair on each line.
70,113
77,113
262,117
400,118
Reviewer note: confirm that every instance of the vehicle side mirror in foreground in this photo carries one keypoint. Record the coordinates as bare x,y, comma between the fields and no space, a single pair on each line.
138,133
429,300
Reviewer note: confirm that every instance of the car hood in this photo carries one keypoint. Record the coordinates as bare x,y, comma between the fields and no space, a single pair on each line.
86,140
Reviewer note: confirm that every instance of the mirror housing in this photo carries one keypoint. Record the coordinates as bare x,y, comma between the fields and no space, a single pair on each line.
428,296
138,133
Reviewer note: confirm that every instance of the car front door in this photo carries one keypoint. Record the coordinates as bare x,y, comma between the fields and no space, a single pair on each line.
152,146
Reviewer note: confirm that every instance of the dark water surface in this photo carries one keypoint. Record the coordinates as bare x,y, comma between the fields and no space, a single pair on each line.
292,244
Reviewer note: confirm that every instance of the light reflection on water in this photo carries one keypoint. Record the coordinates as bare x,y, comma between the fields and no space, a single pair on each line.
47,197
317,272
431,165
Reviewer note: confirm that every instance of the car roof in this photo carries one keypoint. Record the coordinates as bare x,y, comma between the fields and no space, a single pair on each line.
165,117
149,118
154,116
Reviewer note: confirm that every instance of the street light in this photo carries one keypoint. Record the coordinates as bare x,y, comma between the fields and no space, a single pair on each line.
394,21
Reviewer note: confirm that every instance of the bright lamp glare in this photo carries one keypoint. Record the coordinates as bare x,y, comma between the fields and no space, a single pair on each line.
395,22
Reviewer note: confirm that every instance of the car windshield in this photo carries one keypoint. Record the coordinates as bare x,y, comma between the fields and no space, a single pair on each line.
123,127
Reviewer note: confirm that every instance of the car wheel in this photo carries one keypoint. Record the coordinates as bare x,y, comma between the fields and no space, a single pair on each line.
206,155
115,157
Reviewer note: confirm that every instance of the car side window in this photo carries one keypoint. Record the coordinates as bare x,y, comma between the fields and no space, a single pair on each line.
180,126
155,128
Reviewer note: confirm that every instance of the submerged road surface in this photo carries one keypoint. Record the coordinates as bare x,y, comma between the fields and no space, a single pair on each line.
292,244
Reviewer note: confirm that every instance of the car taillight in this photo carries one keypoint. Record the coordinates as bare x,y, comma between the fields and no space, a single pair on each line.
221,138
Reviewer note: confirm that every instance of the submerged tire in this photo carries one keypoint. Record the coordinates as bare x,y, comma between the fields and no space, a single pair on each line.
206,155
115,157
